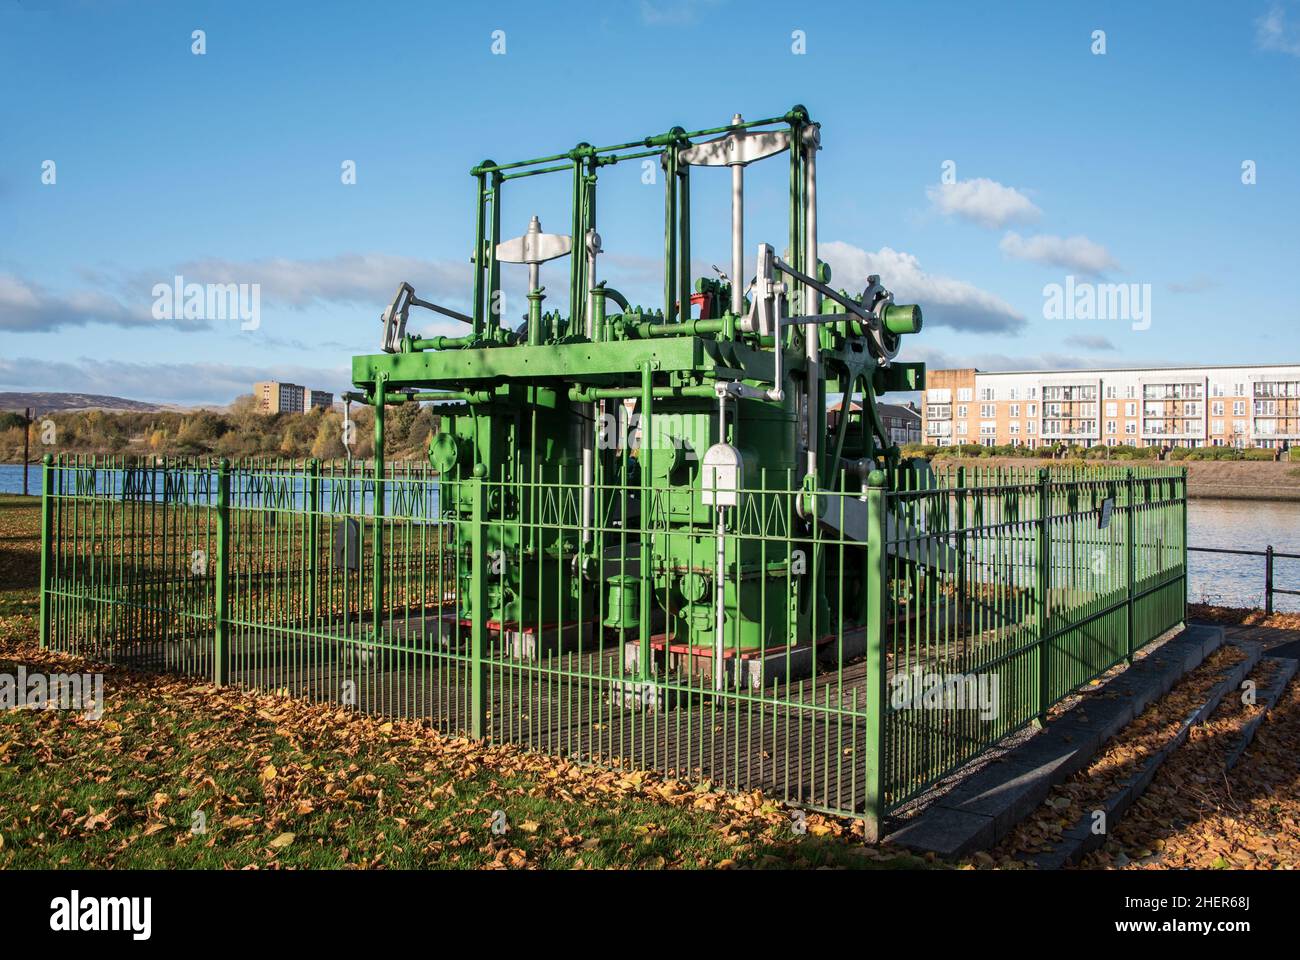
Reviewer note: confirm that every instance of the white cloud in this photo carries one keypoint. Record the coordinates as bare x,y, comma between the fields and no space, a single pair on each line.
124,299
27,307
983,201
937,359
1089,342
1273,32
367,278
944,301
1074,253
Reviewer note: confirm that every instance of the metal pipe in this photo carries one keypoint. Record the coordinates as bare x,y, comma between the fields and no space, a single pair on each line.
720,566
646,456
737,231
670,232
812,337
684,242
589,428
579,395
479,266
535,298
495,304
377,510
442,343
648,330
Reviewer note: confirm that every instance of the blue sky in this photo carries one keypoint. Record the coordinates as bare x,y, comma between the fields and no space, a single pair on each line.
1124,167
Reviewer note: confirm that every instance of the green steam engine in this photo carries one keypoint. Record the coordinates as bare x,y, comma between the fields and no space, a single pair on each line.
655,478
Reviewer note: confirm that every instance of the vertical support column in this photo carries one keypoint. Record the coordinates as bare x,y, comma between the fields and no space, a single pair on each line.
737,230
1130,560
670,230
47,543
313,537
577,262
962,588
812,303
377,512
1186,572
1044,589
478,607
646,457
877,581
480,268
221,633
1268,579
535,298
495,304
684,243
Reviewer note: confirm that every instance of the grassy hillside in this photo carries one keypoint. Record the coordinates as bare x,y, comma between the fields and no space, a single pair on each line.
239,432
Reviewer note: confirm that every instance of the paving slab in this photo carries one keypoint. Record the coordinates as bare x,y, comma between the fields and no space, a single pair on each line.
979,811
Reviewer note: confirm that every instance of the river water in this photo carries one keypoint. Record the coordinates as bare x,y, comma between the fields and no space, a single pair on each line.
1233,524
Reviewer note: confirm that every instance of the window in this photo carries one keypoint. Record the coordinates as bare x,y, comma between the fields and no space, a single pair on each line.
1238,389
1216,426
939,396
1031,427
1015,428
987,410
1130,428
988,429
1110,426
1015,409
1110,393
1130,409
1013,393
961,427
986,393
1216,408
1239,408
961,410
964,394
1112,409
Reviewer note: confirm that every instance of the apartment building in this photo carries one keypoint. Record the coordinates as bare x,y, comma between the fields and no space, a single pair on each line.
1240,406
274,396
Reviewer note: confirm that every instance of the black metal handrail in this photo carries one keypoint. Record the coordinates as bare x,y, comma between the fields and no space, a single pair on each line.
1269,555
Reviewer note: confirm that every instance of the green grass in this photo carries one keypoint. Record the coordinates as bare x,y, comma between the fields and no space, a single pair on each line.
346,790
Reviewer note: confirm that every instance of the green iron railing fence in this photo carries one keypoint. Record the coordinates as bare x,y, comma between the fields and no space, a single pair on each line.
952,609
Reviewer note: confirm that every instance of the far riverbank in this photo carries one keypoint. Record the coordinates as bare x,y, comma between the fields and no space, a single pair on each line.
1206,479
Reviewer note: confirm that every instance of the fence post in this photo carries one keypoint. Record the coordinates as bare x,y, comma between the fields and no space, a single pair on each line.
1044,589
47,544
478,608
221,637
1130,550
1187,578
961,547
877,577
1268,579
377,511
313,536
